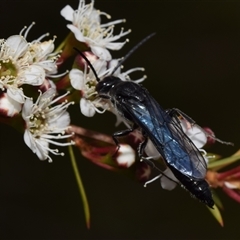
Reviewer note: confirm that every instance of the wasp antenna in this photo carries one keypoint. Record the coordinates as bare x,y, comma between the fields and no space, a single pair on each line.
132,51
88,62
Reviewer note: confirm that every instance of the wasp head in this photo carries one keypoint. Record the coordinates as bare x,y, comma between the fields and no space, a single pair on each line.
105,86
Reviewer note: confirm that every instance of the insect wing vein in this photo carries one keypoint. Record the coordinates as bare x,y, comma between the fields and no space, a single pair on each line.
167,135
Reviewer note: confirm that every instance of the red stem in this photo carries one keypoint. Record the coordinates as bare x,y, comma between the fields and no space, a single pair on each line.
224,175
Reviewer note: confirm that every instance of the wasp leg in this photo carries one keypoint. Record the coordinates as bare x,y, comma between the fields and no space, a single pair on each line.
152,180
142,146
148,161
122,133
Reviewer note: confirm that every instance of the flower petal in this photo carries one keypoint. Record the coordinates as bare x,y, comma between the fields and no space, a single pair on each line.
33,75
151,150
61,122
16,94
77,33
101,52
27,108
195,133
87,108
67,13
47,47
28,139
8,106
41,147
166,183
49,94
115,45
77,79
18,46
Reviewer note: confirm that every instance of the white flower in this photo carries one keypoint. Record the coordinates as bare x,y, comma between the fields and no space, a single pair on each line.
86,26
86,82
125,156
45,124
22,62
195,133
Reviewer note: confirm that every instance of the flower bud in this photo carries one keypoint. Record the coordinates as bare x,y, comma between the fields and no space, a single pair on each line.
9,107
125,156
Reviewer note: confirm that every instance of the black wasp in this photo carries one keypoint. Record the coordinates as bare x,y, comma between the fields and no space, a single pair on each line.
162,127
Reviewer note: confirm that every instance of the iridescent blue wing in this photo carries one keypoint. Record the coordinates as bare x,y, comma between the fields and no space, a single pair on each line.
166,134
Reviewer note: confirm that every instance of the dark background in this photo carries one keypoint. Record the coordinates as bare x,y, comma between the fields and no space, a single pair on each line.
193,63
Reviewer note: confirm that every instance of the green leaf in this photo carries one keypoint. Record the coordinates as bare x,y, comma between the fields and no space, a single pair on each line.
216,165
217,200
217,215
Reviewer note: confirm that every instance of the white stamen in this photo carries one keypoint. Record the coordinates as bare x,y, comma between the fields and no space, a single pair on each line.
23,29
60,74
41,37
28,29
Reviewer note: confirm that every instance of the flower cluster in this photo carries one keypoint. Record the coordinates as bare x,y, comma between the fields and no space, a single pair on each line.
32,63
25,63
94,40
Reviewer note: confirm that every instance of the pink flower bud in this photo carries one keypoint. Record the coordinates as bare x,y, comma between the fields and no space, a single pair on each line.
125,156
143,172
210,140
9,107
81,63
